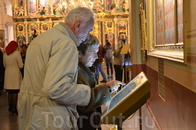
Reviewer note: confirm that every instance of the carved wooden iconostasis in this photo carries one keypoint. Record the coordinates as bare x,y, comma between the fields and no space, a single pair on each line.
37,16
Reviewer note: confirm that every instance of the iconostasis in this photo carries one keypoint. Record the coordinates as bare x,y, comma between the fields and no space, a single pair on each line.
33,17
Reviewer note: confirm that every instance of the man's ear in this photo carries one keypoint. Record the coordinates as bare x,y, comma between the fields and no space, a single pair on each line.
78,25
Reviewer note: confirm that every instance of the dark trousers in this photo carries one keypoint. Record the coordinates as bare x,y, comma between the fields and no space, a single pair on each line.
109,66
118,72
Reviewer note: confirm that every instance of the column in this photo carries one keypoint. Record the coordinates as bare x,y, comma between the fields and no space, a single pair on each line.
26,32
116,32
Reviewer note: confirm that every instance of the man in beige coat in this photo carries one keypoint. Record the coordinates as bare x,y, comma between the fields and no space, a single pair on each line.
49,92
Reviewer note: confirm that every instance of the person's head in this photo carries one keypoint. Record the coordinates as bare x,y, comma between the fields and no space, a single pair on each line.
108,43
11,47
81,21
23,48
122,42
88,51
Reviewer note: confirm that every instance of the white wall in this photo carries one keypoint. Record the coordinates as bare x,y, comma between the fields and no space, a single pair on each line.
6,19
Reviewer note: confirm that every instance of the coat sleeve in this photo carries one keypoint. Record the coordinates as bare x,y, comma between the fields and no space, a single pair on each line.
4,60
19,60
99,96
61,74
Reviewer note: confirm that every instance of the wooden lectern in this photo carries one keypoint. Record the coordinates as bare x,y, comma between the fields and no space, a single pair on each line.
128,100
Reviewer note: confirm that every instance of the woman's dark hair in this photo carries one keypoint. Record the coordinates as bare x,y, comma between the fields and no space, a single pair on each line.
23,45
108,43
91,42
123,40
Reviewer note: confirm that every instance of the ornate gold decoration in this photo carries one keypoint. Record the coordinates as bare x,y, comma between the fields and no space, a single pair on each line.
44,26
109,24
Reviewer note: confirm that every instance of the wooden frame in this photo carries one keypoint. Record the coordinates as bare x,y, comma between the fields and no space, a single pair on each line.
32,7
2,39
164,38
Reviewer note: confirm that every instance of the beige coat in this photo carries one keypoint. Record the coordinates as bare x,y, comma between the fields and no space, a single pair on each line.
49,93
13,64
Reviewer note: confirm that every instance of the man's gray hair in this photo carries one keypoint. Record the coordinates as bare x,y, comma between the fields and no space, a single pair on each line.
81,13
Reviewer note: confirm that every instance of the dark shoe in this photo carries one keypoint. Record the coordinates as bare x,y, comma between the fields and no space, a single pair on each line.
10,108
103,81
14,111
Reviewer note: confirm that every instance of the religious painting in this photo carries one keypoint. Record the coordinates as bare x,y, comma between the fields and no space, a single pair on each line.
180,20
32,27
169,20
32,7
166,39
159,22
44,27
20,3
108,5
109,24
2,39
20,28
121,6
56,1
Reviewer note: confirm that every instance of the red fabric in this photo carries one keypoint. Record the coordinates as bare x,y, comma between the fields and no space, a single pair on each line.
12,46
100,56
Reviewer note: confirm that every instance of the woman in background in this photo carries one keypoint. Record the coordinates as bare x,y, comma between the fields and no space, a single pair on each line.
13,63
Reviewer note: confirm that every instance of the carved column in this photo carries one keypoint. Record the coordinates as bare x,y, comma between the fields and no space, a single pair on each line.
38,28
25,8
50,23
15,37
26,31
115,33
128,32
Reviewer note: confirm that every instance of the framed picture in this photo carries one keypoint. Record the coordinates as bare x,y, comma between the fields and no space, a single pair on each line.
180,21
44,27
165,29
169,21
2,39
56,1
108,5
32,8
20,3
20,28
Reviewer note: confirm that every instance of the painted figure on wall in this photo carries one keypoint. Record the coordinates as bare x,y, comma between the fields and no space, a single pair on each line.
32,6
45,27
20,3
20,28
56,1
108,4
109,24
121,6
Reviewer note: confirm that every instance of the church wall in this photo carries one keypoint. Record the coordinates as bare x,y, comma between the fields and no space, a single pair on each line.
177,110
173,85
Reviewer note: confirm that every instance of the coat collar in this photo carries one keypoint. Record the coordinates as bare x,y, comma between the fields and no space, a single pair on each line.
70,32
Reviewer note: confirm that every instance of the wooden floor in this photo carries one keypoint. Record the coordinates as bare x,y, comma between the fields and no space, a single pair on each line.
7,121
10,122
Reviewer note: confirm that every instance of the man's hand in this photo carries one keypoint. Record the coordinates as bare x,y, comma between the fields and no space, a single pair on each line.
114,84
